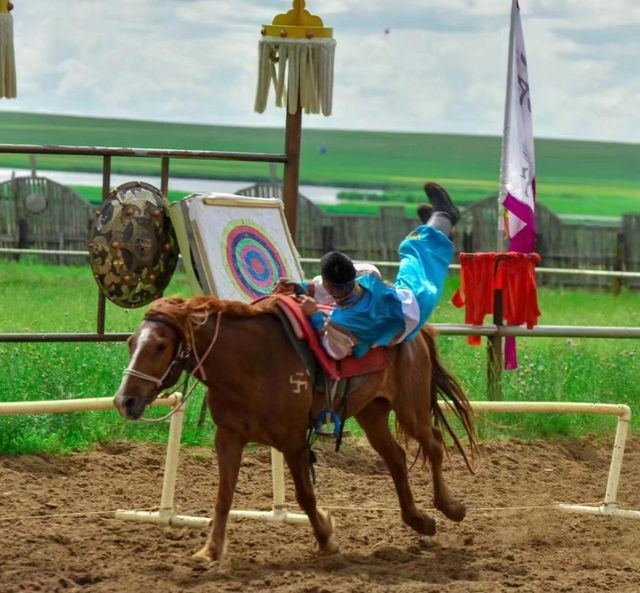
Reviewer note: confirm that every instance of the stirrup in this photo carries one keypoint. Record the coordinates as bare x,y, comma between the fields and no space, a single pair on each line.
321,423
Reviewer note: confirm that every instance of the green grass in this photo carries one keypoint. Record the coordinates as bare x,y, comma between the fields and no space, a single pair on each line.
590,178
45,298
360,208
36,297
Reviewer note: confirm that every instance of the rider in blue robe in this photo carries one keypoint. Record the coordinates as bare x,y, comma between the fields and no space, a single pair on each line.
371,313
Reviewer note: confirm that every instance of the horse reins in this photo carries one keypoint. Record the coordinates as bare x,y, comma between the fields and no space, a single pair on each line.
181,354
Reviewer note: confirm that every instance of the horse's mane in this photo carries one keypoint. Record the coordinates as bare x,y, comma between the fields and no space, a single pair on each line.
180,310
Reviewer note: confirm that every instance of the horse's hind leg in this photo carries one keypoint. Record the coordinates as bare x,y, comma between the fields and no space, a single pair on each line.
321,522
431,440
374,420
417,424
229,446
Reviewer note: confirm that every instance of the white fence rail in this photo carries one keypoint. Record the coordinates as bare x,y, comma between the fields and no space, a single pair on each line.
166,513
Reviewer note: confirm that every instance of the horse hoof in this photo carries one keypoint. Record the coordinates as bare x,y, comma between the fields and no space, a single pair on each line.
422,524
206,555
327,518
454,511
331,547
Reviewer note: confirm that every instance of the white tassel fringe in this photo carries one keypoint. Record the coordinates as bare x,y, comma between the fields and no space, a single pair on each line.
301,71
7,57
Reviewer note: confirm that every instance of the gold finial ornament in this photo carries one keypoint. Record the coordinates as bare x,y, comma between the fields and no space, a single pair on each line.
7,56
298,23
297,50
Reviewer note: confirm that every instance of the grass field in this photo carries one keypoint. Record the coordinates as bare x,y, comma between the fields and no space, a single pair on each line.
588,178
573,178
36,297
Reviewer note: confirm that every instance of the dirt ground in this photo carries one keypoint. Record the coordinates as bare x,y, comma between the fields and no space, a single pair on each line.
528,547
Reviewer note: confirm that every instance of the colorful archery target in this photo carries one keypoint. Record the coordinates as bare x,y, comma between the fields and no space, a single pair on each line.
235,247
252,259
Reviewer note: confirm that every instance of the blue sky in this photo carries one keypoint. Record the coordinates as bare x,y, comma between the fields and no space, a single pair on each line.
440,68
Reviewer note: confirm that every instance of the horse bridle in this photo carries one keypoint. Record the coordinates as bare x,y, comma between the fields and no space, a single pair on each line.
182,356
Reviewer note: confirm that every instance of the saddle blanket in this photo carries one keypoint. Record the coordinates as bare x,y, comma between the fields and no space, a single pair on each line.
375,360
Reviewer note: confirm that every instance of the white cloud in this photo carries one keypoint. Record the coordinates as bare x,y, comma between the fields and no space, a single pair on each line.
441,67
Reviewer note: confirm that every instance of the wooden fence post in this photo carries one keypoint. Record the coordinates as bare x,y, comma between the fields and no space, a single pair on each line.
102,300
494,352
617,282
291,175
23,235
327,238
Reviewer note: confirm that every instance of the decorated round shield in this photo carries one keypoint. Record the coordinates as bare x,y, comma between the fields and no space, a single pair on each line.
132,245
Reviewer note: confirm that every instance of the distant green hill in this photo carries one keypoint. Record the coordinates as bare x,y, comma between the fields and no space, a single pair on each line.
574,177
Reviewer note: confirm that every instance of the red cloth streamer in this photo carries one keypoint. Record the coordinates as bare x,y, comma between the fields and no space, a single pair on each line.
477,279
516,277
510,272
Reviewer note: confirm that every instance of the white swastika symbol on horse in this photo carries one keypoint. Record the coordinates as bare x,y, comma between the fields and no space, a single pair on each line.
299,383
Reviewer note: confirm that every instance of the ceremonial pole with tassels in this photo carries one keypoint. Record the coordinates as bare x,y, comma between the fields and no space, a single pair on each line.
7,57
296,56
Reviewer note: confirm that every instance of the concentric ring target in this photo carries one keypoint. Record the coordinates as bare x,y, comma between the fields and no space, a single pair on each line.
252,259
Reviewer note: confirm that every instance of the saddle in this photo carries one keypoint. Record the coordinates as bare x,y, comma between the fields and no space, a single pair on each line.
298,326
336,378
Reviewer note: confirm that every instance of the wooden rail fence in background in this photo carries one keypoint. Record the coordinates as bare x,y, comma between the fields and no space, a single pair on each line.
561,244
38,213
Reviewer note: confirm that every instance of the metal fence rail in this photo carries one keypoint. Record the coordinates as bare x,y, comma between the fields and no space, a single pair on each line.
381,264
446,329
443,329
110,151
290,159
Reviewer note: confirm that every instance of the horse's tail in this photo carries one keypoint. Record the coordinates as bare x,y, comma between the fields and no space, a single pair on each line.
445,385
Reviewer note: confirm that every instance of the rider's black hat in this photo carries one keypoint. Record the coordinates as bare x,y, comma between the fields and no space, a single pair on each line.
337,268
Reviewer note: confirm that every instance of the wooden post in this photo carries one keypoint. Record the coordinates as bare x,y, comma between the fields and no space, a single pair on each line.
106,183
164,177
616,284
274,190
494,352
291,180
22,229
327,238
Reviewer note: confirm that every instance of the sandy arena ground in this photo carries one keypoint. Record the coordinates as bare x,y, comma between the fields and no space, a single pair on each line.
526,549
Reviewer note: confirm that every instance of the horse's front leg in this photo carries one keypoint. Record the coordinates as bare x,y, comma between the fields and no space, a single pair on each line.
321,521
229,446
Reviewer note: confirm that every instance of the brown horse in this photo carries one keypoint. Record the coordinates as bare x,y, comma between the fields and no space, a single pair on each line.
258,391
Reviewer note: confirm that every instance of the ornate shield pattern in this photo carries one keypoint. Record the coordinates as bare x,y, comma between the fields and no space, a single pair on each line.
132,245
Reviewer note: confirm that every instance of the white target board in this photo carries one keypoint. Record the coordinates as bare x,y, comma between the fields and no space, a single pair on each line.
238,247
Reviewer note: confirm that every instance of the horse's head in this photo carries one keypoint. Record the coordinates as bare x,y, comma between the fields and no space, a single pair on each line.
158,354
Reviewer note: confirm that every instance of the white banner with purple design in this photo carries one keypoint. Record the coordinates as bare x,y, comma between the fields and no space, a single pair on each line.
518,169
